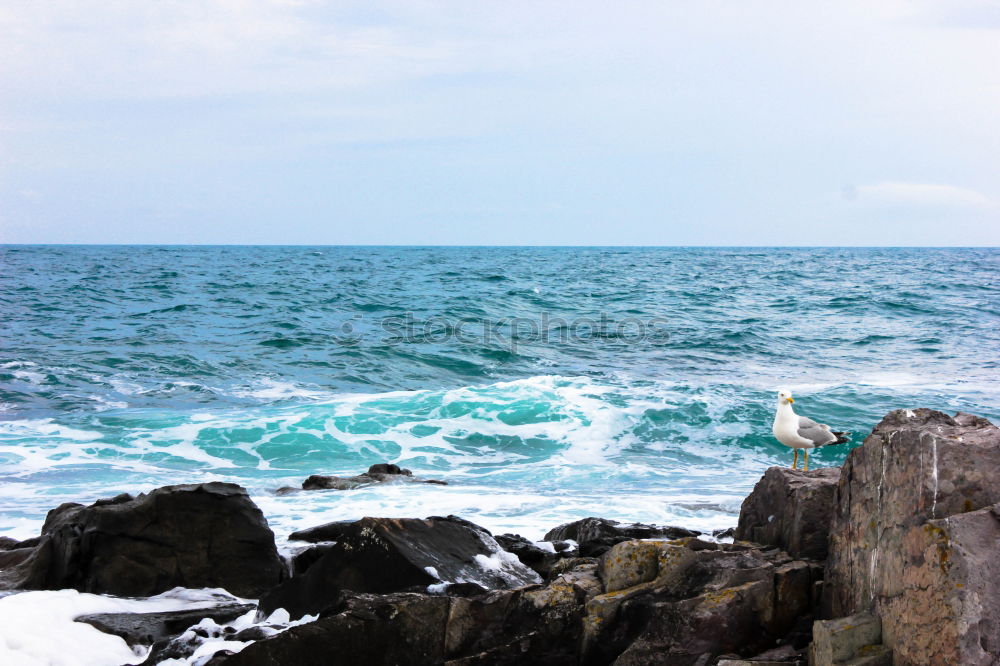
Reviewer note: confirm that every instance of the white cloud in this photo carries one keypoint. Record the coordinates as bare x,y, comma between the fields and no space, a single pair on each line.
923,194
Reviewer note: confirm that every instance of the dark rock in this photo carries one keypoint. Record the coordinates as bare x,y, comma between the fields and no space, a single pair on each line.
728,533
321,482
326,532
782,654
595,536
389,629
379,473
147,628
464,590
305,558
254,633
383,555
178,647
189,639
690,601
60,515
388,468
197,535
120,498
914,536
539,559
15,567
528,625
570,563
6,543
791,509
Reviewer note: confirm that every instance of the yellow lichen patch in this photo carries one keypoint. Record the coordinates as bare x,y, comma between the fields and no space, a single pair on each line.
943,543
719,597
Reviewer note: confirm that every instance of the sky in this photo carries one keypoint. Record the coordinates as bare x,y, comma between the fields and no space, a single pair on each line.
500,123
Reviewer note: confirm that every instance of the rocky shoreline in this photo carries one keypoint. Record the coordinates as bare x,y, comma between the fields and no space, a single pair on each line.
892,558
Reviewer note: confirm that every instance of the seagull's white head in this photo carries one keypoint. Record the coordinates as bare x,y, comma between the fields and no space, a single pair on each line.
785,397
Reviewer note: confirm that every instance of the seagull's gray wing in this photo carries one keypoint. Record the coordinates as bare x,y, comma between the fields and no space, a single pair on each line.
817,433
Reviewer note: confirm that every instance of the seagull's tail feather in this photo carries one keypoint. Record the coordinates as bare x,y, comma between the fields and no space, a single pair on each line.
842,437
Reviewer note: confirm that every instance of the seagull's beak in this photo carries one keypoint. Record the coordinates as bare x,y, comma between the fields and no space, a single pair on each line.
791,400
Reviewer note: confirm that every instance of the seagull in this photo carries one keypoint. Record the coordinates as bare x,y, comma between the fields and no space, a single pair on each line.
800,432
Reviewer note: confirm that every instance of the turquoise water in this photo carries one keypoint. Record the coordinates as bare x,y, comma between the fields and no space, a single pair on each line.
544,384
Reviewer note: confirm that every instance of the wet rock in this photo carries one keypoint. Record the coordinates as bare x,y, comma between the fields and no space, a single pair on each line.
382,555
791,509
463,590
378,473
196,535
532,624
596,535
371,629
654,602
728,533
303,558
183,646
326,532
147,628
388,468
15,567
542,557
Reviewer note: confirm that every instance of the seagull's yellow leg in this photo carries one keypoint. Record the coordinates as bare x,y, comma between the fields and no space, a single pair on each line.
806,453
795,459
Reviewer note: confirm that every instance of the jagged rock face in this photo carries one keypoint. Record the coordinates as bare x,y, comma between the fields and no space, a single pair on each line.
197,535
596,536
660,602
689,601
532,624
912,537
383,555
945,607
791,509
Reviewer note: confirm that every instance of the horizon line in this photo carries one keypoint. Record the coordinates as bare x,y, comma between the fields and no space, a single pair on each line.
408,245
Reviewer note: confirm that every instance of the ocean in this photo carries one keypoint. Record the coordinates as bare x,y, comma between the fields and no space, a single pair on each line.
543,384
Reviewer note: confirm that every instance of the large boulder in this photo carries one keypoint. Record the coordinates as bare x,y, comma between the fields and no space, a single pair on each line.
196,535
596,536
382,555
914,537
791,509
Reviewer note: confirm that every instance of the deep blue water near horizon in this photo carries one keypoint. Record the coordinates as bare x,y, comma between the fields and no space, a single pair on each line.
544,384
